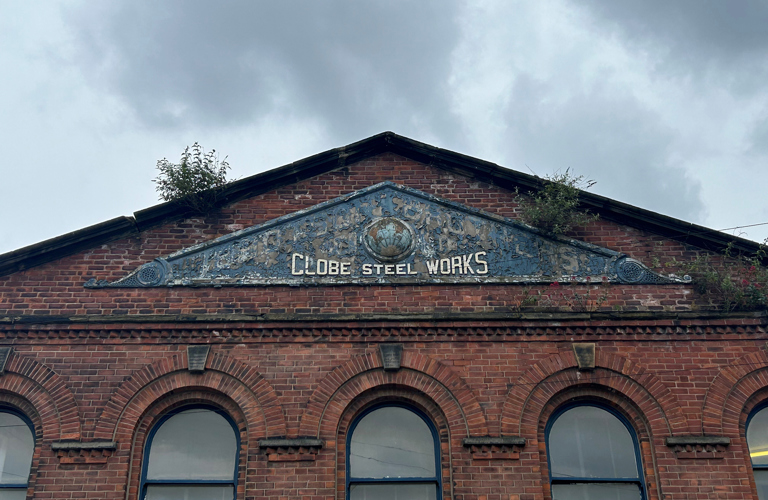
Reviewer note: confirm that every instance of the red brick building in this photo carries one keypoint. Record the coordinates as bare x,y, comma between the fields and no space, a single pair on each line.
374,322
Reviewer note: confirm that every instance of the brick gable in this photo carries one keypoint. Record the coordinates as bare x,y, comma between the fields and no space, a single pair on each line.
294,366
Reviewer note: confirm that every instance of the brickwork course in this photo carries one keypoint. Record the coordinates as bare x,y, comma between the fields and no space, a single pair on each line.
95,369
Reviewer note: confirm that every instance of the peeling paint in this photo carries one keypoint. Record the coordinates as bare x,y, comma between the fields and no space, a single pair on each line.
324,245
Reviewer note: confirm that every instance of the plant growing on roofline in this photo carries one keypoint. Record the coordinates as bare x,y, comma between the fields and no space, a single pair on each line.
195,182
731,281
554,208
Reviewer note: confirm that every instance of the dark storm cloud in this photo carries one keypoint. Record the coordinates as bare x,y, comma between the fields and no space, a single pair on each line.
607,136
357,67
696,34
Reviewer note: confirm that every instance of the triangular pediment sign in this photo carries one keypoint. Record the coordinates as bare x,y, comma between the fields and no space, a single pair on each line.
388,234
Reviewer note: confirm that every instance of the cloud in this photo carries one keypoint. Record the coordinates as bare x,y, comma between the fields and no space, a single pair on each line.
606,135
360,67
720,40
542,85
662,103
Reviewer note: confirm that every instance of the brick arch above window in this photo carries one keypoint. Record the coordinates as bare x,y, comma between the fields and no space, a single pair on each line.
43,388
559,371
41,423
422,373
393,394
646,428
449,444
232,377
731,390
177,399
212,383
28,408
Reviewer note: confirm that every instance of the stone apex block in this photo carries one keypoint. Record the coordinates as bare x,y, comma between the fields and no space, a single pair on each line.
197,355
5,353
391,356
585,355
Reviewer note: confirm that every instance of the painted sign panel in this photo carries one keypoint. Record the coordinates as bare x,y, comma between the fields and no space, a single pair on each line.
387,234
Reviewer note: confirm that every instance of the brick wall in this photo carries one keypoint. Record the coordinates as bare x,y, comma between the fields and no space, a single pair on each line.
55,289
105,365
485,384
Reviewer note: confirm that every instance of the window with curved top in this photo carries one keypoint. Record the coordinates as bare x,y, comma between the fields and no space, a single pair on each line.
593,454
17,445
393,454
757,440
191,454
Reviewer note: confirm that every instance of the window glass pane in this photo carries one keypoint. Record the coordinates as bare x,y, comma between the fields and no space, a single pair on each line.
595,491
16,447
193,444
587,441
13,494
393,492
157,492
761,478
392,442
757,437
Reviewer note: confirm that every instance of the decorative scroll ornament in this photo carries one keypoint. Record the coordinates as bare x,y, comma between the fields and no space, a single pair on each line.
388,234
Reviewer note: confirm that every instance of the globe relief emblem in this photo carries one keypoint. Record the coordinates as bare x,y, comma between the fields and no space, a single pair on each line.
388,239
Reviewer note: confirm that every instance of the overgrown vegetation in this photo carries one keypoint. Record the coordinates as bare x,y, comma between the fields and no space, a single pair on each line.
554,208
732,281
195,182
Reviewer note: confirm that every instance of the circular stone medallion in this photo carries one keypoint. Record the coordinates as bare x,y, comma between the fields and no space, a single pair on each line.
388,239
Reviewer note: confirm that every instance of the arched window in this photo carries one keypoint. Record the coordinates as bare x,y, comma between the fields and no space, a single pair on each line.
191,454
593,455
17,444
757,440
393,454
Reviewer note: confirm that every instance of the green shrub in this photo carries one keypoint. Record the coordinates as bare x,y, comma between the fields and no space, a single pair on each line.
195,182
554,208
731,282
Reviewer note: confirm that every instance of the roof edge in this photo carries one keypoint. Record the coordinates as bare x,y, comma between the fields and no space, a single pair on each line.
616,211
332,159
66,244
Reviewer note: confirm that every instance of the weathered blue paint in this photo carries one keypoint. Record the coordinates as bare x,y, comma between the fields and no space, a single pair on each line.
439,242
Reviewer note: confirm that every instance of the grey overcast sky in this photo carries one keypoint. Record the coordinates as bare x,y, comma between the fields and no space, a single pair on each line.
664,104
